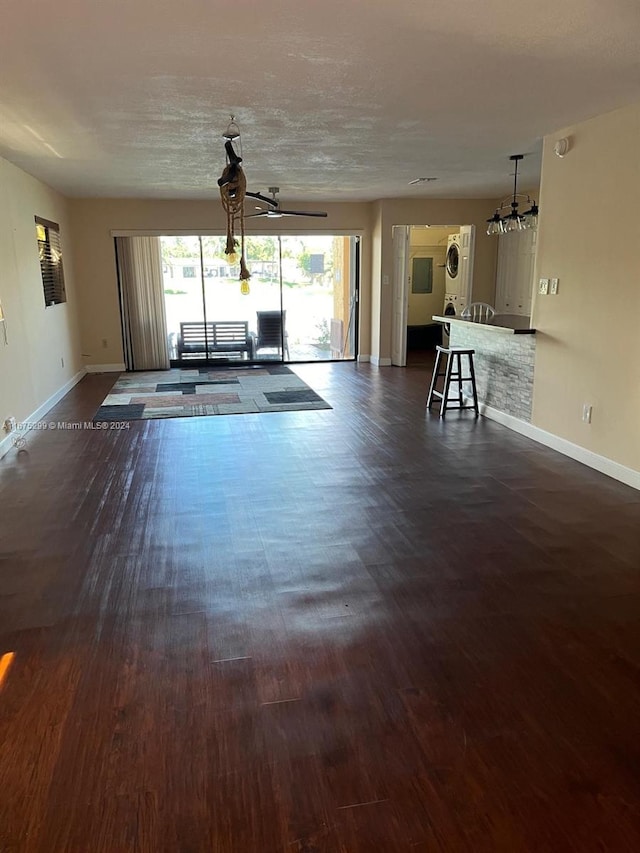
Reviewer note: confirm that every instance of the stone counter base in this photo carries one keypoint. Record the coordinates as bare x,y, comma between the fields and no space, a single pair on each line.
504,368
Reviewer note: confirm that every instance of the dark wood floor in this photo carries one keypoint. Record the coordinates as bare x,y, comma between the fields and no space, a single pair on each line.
350,630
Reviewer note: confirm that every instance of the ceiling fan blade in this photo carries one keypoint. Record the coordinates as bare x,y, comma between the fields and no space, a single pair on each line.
274,211
302,212
263,198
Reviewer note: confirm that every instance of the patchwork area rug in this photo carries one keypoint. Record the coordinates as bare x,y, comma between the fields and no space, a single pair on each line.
181,393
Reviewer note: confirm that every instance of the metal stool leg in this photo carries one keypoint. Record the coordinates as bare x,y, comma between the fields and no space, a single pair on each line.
434,378
447,383
472,373
459,380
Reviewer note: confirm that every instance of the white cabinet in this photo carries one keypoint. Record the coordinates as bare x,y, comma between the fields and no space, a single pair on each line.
467,254
514,277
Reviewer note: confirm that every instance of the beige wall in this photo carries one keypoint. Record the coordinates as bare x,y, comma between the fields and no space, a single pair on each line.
429,237
95,219
38,338
588,341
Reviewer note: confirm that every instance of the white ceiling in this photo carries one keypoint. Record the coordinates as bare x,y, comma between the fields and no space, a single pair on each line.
336,99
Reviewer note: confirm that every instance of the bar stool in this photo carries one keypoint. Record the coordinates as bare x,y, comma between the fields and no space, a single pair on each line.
452,374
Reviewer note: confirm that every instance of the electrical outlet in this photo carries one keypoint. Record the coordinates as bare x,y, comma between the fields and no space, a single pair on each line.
543,286
586,413
553,286
104,343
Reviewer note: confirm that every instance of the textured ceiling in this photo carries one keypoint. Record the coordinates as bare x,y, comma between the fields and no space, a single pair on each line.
336,99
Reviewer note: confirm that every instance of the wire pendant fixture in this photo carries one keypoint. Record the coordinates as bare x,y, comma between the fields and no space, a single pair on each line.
514,220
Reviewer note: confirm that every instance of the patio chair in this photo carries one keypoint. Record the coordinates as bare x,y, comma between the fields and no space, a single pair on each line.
272,332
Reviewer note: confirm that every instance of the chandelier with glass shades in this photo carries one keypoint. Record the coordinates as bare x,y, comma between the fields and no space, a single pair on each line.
504,223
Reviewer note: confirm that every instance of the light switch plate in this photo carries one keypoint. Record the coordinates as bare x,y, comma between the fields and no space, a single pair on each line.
553,286
543,286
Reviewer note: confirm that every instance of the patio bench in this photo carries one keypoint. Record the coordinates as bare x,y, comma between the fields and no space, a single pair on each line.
198,339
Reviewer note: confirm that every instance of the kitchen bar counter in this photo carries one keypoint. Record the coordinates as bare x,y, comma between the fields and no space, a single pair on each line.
505,349
513,324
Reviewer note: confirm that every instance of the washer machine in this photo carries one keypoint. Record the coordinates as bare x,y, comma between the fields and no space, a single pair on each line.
452,305
452,265
452,308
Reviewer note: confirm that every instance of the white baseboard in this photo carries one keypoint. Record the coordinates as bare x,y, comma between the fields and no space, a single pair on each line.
593,460
364,358
42,410
105,368
380,362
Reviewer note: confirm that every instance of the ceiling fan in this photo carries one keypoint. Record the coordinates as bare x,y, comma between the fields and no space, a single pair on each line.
273,210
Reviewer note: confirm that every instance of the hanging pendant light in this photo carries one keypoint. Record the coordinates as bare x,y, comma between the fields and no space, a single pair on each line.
513,221
232,131
495,224
233,187
531,216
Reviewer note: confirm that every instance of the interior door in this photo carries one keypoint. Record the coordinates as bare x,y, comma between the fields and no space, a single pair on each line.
400,295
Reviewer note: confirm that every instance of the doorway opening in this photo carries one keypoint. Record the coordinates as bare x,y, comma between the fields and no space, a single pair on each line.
433,267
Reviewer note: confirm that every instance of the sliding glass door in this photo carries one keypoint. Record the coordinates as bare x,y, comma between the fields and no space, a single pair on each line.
183,296
301,304
319,286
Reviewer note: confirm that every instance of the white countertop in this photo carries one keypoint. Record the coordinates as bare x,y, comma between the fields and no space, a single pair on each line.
513,324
